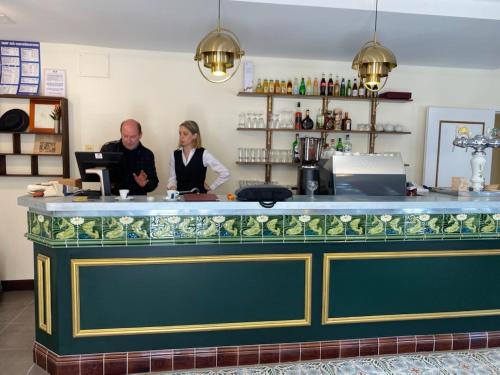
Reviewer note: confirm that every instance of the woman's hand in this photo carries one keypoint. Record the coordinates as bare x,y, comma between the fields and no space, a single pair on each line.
207,187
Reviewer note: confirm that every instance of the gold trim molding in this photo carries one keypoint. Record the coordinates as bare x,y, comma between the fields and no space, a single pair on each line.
327,258
75,294
44,293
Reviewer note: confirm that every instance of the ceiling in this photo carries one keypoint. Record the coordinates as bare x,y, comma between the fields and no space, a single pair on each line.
448,33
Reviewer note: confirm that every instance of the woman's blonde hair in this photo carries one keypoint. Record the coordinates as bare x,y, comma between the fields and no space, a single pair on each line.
194,129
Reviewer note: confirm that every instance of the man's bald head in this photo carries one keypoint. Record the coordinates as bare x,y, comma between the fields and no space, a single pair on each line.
131,133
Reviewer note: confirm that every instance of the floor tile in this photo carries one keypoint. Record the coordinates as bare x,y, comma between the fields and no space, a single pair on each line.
17,336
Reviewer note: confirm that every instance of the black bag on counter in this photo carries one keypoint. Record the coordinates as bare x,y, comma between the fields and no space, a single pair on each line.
266,195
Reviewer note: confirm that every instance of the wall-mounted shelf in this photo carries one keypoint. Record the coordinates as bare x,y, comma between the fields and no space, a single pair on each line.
372,134
63,138
348,98
322,131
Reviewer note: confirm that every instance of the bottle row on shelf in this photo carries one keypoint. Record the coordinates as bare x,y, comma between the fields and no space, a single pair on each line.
336,120
337,88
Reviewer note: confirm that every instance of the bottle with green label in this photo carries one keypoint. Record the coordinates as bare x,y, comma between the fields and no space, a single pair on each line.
340,146
302,88
295,149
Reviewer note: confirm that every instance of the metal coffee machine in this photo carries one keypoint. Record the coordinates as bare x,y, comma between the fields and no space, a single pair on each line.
308,172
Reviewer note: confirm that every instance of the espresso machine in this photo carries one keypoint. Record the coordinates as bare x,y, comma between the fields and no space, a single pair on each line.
308,172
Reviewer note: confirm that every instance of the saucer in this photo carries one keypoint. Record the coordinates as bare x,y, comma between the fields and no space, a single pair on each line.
124,199
172,200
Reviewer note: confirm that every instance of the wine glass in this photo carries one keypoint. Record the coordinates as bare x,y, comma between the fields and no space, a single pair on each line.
312,185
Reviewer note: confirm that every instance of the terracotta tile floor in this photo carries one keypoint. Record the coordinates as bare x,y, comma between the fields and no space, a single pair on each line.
17,324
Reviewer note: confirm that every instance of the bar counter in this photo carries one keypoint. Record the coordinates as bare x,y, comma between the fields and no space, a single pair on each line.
179,283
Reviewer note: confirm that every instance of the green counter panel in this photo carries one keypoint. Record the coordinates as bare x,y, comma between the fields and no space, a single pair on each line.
376,287
185,296
228,292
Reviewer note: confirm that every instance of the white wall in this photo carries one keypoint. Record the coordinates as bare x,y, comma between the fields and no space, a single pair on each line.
162,89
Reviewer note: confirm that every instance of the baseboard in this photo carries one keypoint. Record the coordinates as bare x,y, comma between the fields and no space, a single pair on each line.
10,285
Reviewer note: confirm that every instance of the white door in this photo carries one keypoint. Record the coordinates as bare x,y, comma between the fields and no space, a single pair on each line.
441,161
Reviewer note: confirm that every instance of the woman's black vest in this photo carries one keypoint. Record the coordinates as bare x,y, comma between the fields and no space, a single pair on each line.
193,174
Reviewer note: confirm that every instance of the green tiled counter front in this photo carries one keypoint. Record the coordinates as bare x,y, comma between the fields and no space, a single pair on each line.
139,276
177,229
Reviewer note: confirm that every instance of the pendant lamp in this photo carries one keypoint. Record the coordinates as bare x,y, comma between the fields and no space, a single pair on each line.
218,51
374,61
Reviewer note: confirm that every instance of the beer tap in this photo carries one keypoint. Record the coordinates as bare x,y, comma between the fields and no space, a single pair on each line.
479,143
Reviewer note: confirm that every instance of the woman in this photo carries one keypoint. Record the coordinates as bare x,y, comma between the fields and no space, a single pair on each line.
188,164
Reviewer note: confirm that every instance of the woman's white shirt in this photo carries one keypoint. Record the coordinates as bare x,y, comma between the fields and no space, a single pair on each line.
208,161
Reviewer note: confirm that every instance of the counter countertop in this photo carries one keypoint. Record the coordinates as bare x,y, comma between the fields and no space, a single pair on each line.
431,203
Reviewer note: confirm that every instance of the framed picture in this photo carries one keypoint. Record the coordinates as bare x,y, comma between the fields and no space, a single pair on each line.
40,115
47,144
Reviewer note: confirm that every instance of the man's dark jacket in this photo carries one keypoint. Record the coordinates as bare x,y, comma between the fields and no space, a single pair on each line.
141,158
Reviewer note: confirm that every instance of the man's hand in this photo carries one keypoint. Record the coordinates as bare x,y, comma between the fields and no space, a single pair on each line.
141,179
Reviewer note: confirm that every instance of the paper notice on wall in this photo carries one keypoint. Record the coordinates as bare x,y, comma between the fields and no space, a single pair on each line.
54,82
19,67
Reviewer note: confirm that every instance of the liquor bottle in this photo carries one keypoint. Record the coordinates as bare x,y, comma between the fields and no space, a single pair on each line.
266,86
289,86
348,91
347,144
295,89
342,87
336,87
307,123
355,91
302,88
277,87
315,86
309,88
340,146
259,87
320,120
347,123
298,117
295,149
283,87
271,86
322,87
362,89
330,86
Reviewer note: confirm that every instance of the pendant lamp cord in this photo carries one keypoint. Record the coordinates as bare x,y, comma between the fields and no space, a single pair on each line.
376,13
218,18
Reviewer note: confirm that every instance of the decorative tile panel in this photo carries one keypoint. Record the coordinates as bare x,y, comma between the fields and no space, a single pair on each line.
177,229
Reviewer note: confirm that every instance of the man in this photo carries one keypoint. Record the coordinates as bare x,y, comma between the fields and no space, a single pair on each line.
138,172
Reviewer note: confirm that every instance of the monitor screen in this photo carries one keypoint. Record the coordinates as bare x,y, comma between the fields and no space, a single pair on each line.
109,160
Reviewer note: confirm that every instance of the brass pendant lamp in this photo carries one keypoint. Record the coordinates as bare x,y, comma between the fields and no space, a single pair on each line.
374,61
218,51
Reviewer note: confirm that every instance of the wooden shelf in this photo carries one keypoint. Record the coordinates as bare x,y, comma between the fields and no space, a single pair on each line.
267,163
321,131
23,154
30,175
348,98
61,136
10,96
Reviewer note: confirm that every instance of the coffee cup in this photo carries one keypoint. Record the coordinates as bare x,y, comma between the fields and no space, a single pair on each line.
123,193
172,195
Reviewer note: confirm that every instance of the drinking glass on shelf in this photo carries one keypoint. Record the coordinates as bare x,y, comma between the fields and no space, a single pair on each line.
291,120
261,124
263,155
248,120
241,154
241,120
311,187
284,156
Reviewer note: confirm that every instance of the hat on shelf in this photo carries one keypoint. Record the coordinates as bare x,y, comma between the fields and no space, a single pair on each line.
14,120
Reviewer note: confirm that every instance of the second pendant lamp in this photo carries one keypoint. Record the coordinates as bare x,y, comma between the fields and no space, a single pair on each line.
374,61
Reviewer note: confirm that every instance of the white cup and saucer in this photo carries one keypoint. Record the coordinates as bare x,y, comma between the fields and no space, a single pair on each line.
124,195
172,195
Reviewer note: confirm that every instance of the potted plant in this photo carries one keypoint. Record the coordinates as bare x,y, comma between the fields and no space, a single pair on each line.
56,116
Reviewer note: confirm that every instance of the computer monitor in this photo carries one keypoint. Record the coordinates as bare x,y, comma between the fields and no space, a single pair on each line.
95,166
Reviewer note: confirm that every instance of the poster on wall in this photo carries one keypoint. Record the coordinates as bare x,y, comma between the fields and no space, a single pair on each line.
19,67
